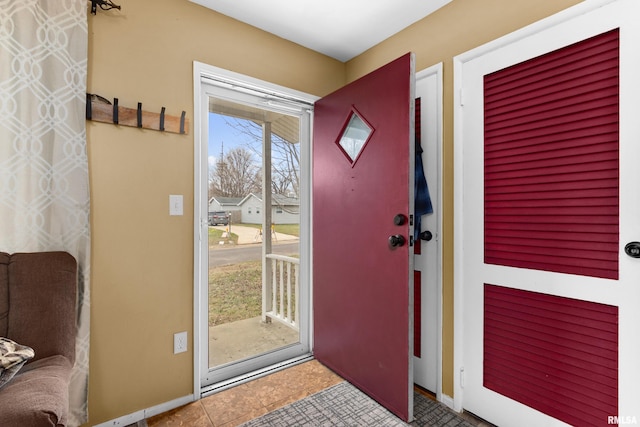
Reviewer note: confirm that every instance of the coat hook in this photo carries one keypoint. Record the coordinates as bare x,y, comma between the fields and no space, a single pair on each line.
139,114
182,121
89,112
162,119
115,111
91,97
104,5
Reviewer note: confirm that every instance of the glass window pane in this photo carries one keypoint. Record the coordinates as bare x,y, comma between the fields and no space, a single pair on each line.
354,137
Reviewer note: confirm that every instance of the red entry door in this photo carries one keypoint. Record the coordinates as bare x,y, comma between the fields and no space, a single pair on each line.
362,212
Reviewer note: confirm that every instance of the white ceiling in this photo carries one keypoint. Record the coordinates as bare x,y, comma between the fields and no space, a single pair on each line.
341,29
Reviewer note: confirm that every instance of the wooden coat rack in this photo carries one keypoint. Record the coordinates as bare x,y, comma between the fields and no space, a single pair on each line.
101,110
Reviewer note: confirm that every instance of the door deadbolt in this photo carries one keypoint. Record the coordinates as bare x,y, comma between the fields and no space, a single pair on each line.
399,219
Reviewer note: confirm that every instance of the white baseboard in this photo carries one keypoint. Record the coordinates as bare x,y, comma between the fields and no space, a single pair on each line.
143,414
167,406
124,420
448,401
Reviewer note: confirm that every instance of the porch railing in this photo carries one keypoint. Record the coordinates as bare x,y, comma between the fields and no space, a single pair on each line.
280,292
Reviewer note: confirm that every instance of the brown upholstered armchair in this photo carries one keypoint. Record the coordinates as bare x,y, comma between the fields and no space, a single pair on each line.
38,310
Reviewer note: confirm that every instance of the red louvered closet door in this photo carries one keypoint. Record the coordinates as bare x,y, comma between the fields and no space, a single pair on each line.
550,202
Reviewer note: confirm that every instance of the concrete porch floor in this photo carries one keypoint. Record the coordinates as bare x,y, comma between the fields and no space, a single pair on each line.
245,338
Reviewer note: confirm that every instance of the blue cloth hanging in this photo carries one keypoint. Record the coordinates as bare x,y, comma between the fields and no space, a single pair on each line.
423,204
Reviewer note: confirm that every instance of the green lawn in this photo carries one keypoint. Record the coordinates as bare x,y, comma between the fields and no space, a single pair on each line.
215,237
235,292
291,229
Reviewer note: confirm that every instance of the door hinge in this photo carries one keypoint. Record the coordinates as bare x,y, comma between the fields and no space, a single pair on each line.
462,377
461,97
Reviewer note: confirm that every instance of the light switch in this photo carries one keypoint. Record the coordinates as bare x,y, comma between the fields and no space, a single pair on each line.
175,204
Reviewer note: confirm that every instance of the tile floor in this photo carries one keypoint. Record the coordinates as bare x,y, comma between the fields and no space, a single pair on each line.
245,402
232,407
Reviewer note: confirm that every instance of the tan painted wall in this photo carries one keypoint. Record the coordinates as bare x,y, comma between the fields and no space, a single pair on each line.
142,259
141,275
454,29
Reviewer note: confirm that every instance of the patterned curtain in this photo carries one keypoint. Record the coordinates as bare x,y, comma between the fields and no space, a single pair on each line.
44,184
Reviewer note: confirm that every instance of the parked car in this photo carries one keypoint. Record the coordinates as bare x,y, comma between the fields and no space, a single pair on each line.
218,217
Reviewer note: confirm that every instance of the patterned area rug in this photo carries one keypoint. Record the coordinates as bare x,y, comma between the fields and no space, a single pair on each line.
345,405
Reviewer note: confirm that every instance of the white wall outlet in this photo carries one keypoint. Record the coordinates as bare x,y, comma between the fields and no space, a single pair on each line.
179,342
175,204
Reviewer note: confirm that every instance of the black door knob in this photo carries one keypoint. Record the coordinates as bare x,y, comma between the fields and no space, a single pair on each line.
632,249
426,235
397,240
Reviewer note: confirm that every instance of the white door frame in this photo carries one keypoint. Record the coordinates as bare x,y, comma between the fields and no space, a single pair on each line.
459,250
431,79
242,84
429,88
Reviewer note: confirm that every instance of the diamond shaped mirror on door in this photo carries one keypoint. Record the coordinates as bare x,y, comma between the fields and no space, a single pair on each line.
355,136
